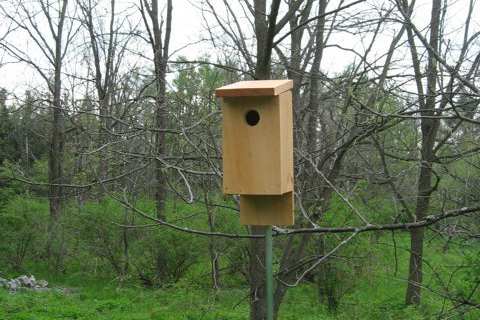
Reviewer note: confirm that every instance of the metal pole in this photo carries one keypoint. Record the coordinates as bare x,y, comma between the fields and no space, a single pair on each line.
269,272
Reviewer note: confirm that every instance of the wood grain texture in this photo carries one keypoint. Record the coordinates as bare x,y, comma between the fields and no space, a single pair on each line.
254,88
258,159
267,210
286,140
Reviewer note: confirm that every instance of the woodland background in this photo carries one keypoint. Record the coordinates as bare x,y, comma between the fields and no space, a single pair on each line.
110,179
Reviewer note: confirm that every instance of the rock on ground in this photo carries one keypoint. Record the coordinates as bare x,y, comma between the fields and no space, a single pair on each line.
24,282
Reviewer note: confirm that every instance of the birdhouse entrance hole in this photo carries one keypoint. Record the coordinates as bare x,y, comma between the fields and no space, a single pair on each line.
252,117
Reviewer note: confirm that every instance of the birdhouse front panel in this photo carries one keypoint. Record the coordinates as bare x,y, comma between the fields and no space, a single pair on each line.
257,144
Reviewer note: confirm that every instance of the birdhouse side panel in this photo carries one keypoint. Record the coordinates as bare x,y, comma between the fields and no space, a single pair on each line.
251,153
286,145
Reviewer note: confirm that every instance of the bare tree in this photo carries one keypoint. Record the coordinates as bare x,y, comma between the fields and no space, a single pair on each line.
52,44
107,51
159,31
159,38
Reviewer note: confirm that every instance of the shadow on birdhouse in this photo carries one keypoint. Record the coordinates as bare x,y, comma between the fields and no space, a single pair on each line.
258,149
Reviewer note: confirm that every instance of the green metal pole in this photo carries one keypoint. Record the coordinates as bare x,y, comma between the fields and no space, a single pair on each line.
269,272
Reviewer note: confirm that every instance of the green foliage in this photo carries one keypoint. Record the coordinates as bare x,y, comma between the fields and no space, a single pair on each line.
106,281
8,146
22,131
470,276
377,294
23,225
369,285
107,302
178,254
8,188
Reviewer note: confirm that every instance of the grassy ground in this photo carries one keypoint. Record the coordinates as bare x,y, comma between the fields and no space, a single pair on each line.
377,294
106,301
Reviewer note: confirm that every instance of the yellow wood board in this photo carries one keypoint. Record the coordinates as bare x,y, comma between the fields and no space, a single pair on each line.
267,210
255,88
258,159
286,139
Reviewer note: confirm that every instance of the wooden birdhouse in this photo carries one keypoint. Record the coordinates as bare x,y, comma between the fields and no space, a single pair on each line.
258,149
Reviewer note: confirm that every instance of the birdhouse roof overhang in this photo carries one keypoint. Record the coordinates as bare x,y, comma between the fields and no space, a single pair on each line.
255,88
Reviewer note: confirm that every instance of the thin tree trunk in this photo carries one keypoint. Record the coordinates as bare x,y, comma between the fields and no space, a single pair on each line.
325,288
429,130
160,59
160,47
103,82
326,278
214,265
292,252
57,141
314,99
126,242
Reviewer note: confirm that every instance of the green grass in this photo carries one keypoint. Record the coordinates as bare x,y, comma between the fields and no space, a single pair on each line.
377,294
370,273
108,302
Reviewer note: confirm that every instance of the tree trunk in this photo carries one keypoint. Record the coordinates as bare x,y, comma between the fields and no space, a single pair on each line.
326,278
160,49
314,99
258,305
214,265
57,141
429,130
103,81
160,60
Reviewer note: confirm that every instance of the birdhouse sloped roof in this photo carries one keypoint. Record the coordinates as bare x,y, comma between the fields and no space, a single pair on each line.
254,88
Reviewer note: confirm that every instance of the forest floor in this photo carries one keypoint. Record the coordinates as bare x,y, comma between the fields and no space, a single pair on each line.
98,300
378,294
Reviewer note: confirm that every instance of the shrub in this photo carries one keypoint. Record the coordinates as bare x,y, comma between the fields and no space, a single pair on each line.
23,226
